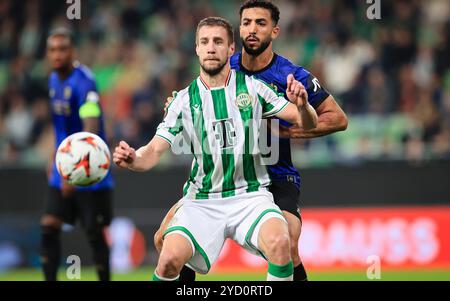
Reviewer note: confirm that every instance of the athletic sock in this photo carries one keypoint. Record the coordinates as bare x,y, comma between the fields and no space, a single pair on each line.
156,277
50,251
187,274
100,252
300,273
280,272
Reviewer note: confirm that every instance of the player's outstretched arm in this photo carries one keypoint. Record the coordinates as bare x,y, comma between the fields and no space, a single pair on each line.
143,159
300,111
331,119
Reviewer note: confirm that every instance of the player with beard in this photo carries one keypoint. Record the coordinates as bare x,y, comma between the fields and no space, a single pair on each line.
258,28
226,195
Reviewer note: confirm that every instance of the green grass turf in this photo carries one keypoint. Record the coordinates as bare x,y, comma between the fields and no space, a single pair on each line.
145,274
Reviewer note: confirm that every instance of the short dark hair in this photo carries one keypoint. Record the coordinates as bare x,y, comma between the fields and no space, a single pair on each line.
62,32
217,21
274,11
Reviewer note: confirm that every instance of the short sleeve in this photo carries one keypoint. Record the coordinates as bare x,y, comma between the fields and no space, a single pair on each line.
172,124
88,99
272,102
316,92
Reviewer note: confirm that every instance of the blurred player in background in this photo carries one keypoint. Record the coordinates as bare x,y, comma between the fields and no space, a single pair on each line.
258,28
226,194
75,107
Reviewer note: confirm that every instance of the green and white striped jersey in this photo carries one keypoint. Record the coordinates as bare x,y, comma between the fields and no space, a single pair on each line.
222,126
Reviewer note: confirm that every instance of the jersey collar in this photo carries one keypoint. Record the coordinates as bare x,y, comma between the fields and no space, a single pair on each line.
241,66
207,87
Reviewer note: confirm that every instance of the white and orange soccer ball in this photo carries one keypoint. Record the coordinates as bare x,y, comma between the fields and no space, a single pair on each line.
83,159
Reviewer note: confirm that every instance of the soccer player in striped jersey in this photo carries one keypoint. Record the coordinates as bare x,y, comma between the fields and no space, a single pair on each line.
258,28
226,195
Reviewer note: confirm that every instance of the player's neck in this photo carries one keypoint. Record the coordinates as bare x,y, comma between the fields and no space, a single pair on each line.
218,80
258,62
63,73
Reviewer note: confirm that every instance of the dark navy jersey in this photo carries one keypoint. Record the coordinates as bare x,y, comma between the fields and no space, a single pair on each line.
276,74
66,98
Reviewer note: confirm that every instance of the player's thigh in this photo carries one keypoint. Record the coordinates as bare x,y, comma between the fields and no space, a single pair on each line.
169,216
158,238
287,196
294,226
255,211
274,231
177,248
204,226
58,209
95,208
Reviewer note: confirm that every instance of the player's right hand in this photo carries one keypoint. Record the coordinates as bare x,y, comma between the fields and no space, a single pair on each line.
124,155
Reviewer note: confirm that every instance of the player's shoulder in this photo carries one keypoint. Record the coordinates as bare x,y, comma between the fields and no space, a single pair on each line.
182,96
183,93
84,72
52,77
249,78
286,66
234,60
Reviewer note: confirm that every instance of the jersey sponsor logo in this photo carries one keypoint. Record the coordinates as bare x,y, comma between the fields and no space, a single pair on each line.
51,93
224,132
61,107
316,83
196,108
244,101
67,92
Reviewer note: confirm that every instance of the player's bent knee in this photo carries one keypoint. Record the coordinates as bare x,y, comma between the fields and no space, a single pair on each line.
169,264
277,247
295,227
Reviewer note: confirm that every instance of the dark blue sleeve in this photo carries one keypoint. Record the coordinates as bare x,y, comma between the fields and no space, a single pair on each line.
86,86
316,92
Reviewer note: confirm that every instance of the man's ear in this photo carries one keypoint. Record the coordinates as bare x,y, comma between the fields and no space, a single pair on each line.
275,32
232,48
196,48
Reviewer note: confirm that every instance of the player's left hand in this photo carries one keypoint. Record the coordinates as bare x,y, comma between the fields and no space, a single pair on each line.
296,92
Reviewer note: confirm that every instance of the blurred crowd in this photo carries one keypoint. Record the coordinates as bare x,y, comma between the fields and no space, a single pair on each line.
391,75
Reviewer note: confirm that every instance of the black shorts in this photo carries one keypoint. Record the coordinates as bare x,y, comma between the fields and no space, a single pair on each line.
92,208
287,196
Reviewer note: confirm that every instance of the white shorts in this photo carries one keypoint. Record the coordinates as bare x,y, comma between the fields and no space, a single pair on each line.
208,223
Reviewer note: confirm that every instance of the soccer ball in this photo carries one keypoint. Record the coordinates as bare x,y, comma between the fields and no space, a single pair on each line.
83,159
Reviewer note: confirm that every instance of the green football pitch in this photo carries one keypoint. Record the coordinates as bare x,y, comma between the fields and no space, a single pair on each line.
145,274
